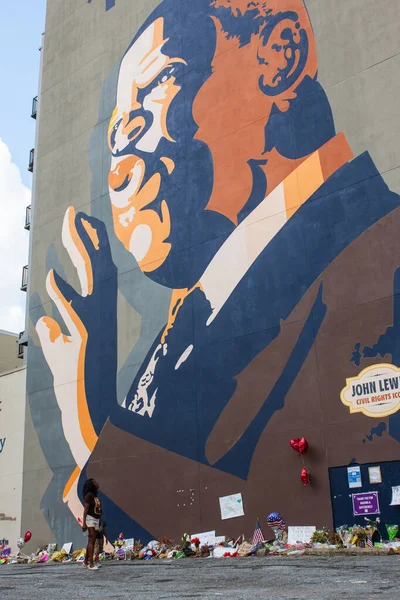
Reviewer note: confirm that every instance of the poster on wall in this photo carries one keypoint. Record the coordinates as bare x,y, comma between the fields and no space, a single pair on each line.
395,496
375,392
354,477
231,506
366,504
375,475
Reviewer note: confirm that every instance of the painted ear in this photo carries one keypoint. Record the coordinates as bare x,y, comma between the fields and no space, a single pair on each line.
282,54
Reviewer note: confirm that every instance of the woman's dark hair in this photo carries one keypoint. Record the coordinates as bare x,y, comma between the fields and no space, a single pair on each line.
89,487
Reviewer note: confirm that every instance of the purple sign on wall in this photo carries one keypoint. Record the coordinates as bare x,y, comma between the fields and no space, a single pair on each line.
366,504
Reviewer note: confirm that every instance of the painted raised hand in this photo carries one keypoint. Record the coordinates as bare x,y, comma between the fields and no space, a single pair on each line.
83,359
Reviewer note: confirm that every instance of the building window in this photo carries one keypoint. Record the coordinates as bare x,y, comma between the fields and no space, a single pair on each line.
24,284
34,107
22,341
31,157
28,217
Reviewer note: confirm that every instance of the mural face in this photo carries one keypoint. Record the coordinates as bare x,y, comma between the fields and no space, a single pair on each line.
147,87
229,186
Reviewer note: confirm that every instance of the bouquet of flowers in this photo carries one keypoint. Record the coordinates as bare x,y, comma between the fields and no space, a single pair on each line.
320,536
392,531
345,535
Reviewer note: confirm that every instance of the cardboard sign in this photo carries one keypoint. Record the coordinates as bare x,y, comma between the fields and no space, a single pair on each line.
109,548
300,534
206,538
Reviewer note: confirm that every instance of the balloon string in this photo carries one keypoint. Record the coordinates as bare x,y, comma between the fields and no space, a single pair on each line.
301,456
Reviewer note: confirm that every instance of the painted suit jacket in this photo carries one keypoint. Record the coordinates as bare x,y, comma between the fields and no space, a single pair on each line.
207,399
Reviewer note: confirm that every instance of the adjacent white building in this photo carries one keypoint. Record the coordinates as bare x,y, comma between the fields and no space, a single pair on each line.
12,426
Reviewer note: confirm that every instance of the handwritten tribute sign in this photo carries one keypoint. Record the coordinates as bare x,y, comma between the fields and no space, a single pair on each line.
301,535
231,506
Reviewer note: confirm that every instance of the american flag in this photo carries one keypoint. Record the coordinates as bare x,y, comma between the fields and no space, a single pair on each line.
258,535
369,542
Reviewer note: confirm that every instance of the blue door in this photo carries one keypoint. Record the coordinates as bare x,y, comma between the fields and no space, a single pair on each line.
341,495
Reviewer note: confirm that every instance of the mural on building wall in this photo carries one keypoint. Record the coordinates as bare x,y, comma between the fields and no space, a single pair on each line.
229,186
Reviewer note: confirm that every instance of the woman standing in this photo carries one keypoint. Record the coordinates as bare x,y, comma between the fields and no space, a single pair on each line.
91,519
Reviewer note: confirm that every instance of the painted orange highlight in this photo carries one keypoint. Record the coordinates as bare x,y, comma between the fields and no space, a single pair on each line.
148,193
169,163
75,474
334,155
85,422
92,233
124,170
160,228
302,183
81,248
54,330
177,299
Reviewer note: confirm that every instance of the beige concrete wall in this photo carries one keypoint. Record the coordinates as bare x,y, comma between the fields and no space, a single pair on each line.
8,352
359,60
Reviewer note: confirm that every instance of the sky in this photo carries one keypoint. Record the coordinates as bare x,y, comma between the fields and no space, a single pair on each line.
21,27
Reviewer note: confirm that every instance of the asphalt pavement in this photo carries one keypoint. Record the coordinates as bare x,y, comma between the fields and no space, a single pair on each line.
300,578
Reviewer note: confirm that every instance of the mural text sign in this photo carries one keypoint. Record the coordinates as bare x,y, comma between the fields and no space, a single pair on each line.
375,392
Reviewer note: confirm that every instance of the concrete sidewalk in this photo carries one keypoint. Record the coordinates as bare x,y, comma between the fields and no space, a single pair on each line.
305,578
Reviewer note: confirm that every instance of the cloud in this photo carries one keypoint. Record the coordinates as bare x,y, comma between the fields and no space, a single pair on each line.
14,240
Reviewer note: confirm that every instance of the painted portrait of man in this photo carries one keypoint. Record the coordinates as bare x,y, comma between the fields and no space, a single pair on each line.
230,187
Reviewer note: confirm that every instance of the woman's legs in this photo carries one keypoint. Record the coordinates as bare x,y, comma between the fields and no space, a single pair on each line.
90,546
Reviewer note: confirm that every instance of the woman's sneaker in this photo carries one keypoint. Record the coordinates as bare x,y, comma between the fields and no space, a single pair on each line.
94,568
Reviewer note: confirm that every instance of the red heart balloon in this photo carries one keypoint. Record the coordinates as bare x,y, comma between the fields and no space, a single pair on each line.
27,537
295,444
303,445
305,477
